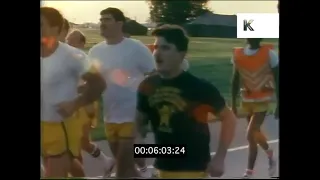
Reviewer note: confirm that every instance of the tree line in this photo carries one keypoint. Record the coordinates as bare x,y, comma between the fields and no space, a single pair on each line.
176,12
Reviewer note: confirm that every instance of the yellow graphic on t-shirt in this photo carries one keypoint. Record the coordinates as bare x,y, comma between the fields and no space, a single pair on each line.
165,114
167,100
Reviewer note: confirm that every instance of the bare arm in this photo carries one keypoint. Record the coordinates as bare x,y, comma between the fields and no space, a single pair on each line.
235,87
227,117
141,123
274,64
275,71
228,126
94,83
141,118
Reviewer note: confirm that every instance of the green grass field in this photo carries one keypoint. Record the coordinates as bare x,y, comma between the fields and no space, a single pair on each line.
209,58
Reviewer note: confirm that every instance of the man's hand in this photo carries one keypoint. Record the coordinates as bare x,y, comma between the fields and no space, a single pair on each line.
216,166
67,108
228,126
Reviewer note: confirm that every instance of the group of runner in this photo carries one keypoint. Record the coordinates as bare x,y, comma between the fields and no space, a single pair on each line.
137,85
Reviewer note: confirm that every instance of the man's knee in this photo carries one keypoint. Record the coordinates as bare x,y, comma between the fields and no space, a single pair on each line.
254,126
257,120
250,136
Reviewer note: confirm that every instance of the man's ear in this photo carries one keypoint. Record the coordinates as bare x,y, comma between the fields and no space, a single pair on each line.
183,55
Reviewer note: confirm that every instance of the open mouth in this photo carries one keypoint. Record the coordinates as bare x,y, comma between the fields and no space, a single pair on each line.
159,61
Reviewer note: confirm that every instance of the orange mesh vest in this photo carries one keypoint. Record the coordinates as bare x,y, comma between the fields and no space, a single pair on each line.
151,47
256,74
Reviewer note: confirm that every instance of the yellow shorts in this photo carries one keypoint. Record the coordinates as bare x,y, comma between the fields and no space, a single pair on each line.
253,107
179,175
59,137
82,115
116,131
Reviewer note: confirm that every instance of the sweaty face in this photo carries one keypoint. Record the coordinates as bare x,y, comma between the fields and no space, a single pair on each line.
109,26
74,40
168,58
48,33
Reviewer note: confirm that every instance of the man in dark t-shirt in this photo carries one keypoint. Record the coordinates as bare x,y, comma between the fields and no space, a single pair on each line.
177,105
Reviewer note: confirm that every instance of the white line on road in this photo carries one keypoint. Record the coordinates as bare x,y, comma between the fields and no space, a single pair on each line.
213,153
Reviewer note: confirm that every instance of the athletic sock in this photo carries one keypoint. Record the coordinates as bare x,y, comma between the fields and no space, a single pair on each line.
143,169
97,153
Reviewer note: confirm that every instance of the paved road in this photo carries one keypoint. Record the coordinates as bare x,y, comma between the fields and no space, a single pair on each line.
236,158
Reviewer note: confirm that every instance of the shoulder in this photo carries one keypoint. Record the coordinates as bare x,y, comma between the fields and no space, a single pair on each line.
141,53
136,44
205,86
196,80
273,58
97,47
75,53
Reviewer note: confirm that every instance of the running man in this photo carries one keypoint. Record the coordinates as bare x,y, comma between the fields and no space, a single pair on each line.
64,31
62,66
89,115
256,73
123,62
62,37
178,113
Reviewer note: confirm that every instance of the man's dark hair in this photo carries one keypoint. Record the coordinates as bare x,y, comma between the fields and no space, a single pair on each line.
66,25
173,34
116,13
53,16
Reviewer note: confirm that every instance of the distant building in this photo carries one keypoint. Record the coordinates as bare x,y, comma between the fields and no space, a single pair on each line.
213,25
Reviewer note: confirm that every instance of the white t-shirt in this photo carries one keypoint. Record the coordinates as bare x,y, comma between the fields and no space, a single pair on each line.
60,75
273,57
123,66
